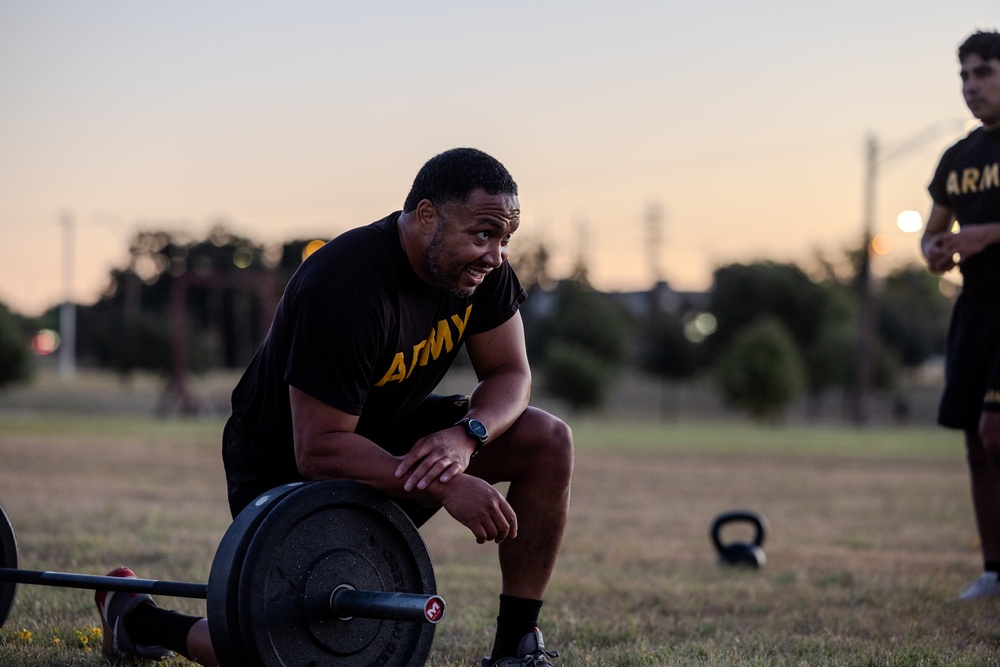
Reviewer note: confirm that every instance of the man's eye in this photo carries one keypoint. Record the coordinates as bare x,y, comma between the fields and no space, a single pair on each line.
484,235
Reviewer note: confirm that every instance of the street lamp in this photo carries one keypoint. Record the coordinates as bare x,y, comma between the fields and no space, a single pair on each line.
874,158
910,221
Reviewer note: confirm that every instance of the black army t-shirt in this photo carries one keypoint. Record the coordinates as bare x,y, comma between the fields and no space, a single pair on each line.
967,181
360,331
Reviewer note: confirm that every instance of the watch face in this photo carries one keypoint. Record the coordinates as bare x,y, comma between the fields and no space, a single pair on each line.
476,428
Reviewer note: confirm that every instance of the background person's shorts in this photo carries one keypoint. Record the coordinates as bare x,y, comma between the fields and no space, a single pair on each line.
972,363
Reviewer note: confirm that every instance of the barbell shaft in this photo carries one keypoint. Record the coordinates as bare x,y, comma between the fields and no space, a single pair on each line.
344,602
95,582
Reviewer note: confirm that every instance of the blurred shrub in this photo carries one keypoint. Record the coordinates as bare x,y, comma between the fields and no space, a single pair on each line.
761,370
15,355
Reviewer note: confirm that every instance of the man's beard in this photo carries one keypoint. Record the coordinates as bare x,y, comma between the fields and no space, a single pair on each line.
443,276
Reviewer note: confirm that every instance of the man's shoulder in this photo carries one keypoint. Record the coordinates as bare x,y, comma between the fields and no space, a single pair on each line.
355,257
360,245
975,142
376,236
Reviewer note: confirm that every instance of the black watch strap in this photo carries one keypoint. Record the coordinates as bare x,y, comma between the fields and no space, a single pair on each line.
476,430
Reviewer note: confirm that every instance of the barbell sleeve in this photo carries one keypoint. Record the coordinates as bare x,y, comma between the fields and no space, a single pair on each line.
346,602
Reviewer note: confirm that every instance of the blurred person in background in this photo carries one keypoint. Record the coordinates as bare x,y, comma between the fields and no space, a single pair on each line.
966,189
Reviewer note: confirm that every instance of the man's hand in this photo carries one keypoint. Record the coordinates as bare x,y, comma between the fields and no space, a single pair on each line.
938,249
479,507
967,242
438,457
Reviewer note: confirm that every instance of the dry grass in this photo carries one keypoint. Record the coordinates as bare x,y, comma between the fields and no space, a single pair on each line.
871,536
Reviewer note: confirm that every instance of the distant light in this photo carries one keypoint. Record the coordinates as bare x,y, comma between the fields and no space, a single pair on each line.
242,258
699,326
312,247
706,323
45,342
948,288
881,244
271,257
910,221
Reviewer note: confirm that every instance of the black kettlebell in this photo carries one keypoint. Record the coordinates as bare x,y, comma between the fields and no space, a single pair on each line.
739,553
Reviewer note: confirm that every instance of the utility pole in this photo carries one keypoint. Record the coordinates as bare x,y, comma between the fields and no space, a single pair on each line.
866,298
67,311
581,272
654,240
874,157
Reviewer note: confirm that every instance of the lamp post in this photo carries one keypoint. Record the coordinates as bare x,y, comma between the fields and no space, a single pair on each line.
874,158
866,299
67,311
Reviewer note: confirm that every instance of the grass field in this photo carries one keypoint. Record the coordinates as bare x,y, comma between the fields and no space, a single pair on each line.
871,537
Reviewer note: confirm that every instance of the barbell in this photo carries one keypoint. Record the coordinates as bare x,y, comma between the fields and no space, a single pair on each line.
329,572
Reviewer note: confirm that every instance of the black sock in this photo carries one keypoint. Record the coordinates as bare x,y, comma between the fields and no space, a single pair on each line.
149,625
992,566
518,617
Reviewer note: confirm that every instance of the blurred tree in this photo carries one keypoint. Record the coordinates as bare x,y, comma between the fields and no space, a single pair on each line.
665,350
130,326
530,260
584,346
15,354
742,293
761,370
913,315
820,316
577,375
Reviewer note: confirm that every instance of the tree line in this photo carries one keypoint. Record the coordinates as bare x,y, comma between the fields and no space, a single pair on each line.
765,333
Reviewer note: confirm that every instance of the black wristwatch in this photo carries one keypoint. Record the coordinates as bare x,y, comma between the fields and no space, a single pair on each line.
475,428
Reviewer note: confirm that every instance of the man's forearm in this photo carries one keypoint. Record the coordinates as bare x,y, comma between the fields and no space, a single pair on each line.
353,457
500,399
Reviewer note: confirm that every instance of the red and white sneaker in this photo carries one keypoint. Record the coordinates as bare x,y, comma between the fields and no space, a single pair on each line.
114,607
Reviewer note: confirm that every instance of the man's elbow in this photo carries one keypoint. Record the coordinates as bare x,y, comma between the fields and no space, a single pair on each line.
314,463
308,465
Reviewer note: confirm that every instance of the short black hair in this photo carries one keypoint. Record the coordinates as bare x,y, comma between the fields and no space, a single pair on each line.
986,45
453,175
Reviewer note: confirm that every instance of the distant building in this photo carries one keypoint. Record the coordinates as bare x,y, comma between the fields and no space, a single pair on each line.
663,299
640,305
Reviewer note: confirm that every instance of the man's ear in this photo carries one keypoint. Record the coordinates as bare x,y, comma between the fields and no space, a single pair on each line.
427,216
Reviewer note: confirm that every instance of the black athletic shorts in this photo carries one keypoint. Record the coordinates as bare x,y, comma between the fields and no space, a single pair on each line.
435,414
972,363
258,472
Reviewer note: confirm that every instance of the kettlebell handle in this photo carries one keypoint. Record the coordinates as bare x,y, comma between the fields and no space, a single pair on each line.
738,516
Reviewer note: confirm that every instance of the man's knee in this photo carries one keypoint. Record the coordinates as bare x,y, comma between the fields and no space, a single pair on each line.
979,457
989,433
554,440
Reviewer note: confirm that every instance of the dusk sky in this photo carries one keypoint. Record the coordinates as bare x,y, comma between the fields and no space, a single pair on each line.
743,122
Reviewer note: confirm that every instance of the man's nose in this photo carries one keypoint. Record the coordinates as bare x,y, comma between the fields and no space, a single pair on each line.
494,254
